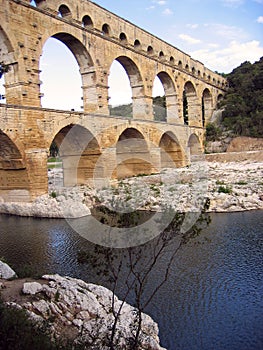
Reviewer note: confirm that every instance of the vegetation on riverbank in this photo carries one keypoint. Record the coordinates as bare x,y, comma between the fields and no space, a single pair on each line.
242,104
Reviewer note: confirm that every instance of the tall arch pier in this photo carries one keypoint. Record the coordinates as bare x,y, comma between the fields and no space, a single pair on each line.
93,143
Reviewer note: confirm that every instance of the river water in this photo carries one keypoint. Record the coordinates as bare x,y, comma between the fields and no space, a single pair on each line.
212,299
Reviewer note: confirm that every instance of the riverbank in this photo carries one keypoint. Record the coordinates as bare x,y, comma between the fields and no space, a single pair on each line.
71,311
230,186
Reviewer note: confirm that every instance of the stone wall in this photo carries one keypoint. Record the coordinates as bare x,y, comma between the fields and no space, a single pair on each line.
242,143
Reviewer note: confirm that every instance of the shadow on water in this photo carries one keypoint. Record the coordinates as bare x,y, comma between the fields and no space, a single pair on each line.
212,298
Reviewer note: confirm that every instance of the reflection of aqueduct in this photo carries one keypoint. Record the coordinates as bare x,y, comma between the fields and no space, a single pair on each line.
96,37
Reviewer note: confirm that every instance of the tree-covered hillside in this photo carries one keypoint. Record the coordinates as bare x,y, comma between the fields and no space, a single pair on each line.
243,102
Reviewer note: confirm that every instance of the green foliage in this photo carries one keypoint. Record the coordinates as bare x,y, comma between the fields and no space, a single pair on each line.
185,108
122,111
243,102
212,132
159,108
53,150
224,189
27,270
18,332
53,194
128,270
4,68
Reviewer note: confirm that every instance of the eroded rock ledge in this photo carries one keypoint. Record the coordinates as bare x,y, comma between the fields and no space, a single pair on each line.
79,310
230,186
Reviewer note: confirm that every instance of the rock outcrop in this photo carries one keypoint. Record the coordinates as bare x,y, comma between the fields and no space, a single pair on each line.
230,186
72,309
6,272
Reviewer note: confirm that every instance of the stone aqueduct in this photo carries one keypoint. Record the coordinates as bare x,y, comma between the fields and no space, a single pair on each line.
112,145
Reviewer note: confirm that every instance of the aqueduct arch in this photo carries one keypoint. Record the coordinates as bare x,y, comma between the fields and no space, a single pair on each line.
86,68
207,106
79,151
96,38
171,151
132,154
170,97
136,84
194,145
193,110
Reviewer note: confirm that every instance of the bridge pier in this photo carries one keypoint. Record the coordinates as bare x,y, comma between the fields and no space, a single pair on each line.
24,182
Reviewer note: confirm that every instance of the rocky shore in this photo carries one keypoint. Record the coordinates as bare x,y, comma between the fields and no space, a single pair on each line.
232,186
73,310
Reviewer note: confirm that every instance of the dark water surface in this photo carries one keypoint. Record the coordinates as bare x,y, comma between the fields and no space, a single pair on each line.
213,299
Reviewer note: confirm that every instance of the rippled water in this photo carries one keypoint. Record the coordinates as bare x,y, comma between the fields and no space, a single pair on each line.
212,299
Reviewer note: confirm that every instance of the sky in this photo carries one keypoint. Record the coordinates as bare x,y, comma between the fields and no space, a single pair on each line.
220,33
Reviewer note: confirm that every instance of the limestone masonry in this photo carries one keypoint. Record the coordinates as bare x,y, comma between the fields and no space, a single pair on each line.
93,144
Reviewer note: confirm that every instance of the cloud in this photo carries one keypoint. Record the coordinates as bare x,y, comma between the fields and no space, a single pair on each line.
232,3
160,2
192,26
226,32
260,19
189,39
167,12
150,8
230,57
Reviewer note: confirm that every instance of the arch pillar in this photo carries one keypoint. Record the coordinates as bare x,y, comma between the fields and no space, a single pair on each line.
155,158
106,167
103,98
142,107
36,164
194,110
172,107
22,86
208,108
90,98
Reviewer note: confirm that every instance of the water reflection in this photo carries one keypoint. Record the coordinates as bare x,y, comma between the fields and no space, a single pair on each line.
212,299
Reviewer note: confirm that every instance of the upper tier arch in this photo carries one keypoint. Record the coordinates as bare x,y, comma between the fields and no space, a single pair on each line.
96,36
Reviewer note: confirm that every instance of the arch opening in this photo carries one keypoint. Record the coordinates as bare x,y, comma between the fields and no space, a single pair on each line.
6,67
64,11
123,38
161,55
137,44
120,92
87,22
132,154
168,100
37,3
106,29
207,106
14,181
75,152
194,146
10,156
185,109
172,60
159,100
171,151
64,80
125,86
2,89
190,105
150,51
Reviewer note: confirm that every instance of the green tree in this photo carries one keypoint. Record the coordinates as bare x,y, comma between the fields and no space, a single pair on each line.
132,271
243,102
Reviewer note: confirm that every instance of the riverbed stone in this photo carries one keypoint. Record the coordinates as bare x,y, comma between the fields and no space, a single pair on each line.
31,288
6,272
